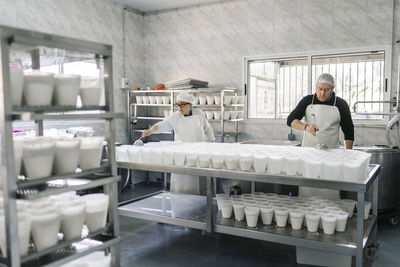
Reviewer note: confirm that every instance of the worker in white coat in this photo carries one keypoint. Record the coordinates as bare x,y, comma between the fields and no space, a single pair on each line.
189,125
325,114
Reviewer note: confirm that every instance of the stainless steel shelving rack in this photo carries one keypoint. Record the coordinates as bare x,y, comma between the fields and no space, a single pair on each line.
133,114
28,44
201,213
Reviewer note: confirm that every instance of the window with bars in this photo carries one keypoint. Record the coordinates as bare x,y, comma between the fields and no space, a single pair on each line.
277,85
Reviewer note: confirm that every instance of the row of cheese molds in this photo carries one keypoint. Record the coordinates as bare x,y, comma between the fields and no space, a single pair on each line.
329,164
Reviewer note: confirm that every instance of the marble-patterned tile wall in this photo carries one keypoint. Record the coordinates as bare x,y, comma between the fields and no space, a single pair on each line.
93,20
209,42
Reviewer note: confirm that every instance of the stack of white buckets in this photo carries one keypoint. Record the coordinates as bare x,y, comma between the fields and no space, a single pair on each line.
44,89
43,219
39,156
330,164
283,210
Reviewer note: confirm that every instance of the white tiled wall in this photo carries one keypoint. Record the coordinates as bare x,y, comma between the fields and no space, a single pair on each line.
94,20
209,42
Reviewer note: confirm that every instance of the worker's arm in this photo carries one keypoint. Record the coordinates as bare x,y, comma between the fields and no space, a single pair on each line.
152,130
208,130
163,126
295,117
346,122
349,144
298,125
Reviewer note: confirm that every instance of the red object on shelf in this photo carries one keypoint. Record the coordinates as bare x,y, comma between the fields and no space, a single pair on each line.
159,88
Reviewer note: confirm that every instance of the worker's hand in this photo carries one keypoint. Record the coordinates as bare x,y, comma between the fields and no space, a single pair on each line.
146,133
312,129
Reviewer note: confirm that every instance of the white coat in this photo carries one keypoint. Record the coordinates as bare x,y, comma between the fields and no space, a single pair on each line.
194,128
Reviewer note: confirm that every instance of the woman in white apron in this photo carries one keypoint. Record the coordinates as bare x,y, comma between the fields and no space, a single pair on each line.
324,114
189,125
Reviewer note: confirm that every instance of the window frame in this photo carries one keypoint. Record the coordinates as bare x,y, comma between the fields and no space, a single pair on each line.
387,49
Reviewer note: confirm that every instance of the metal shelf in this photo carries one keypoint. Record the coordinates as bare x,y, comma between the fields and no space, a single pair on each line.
228,134
173,208
33,182
76,250
133,107
161,118
207,106
58,186
359,233
52,109
260,177
61,244
141,131
235,105
190,211
150,118
29,45
200,90
218,106
215,106
226,120
343,243
28,116
152,105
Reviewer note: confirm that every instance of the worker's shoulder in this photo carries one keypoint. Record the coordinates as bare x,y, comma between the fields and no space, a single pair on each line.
341,102
307,99
174,116
197,111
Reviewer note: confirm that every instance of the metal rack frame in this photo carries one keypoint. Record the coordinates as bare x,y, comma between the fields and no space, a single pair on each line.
360,233
15,189
133,113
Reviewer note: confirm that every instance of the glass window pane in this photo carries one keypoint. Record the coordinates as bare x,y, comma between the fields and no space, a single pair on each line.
358,78
276,86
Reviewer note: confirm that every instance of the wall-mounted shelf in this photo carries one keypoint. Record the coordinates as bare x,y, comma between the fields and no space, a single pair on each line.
137,110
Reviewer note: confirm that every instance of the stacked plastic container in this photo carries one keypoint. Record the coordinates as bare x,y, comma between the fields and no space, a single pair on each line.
38,88
38,157
284,211
43,219
307,162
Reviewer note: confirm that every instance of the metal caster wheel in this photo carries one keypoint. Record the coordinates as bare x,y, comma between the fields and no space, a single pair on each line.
394,220
370,252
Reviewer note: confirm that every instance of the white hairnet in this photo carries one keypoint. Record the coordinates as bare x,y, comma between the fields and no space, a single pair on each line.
185,97
326,78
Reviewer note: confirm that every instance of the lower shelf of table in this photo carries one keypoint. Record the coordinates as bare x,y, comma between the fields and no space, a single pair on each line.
190,211
66,251
171,208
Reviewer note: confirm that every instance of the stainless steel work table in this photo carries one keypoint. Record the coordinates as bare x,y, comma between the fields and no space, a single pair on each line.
201,213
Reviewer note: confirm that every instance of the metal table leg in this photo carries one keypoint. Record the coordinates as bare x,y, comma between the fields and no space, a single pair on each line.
375,210
360,229
209,211
165,182
253,187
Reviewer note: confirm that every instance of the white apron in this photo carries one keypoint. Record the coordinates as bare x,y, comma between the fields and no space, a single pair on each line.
327,118
187,130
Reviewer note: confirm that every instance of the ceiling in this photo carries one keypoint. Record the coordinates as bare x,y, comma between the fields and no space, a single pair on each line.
147,6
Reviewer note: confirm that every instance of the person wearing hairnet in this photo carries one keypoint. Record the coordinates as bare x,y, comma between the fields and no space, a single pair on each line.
189,125
324,114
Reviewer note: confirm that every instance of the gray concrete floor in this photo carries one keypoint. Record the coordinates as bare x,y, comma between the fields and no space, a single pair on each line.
150,244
